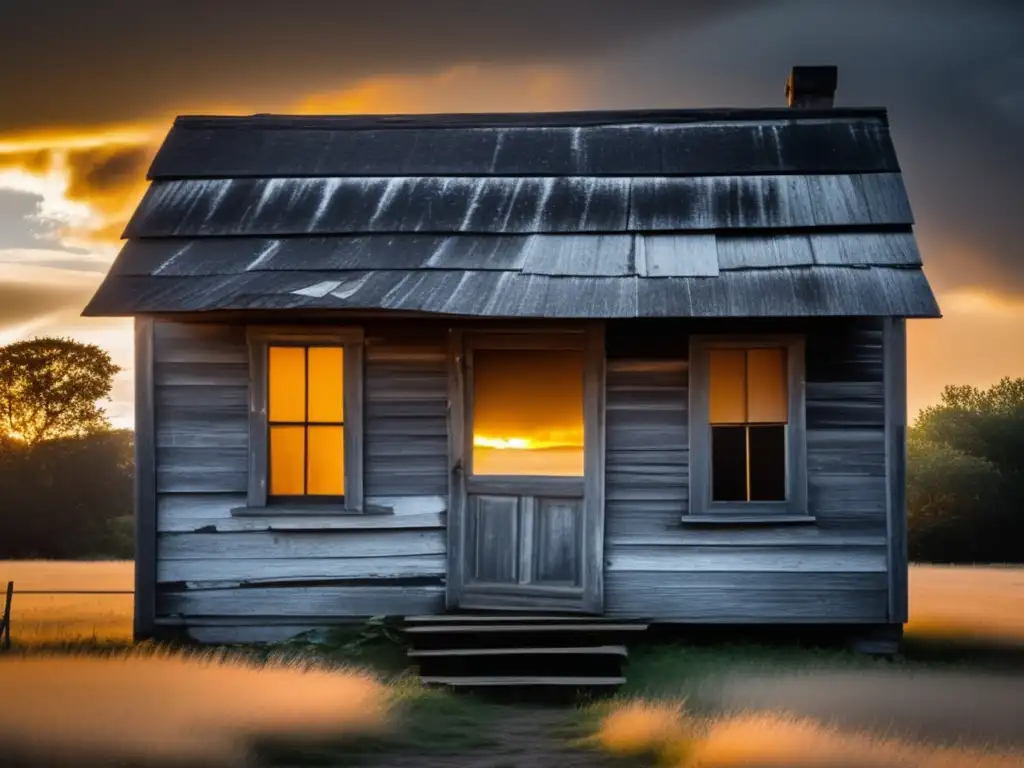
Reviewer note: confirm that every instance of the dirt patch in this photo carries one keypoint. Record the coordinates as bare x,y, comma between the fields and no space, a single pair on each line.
520,737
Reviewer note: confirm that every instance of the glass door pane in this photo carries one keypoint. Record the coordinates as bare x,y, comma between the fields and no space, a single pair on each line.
528,412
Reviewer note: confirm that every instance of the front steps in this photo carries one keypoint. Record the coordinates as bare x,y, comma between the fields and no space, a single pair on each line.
519,651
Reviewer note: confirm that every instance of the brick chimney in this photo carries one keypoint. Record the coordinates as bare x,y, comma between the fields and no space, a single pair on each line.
812,87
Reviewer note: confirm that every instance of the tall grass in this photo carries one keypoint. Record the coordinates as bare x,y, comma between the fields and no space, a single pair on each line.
167,709
773,708
674,739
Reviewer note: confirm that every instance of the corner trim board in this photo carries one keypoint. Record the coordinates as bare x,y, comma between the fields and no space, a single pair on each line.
894,350
594,403
144,622
456,466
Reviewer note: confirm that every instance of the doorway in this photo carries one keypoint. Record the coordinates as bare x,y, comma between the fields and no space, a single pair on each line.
526,513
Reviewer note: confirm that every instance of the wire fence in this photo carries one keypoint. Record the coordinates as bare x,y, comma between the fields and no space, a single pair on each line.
5,622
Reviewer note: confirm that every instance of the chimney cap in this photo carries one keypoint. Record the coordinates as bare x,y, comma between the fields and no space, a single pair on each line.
812,86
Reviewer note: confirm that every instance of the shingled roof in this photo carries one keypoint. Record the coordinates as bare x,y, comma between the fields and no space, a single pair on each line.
712,213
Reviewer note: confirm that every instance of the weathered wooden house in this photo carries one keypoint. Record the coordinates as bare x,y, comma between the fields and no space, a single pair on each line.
629,364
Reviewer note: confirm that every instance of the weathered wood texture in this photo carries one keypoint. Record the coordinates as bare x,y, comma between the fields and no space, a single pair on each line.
143,625
895,347
406,396
214,565
831,570
532,542
218,571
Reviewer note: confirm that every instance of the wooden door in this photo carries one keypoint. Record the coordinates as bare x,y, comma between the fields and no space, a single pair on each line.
526,513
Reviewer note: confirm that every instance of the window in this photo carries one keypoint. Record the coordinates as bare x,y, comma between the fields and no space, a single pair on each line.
528,412
747,442
305,418
306,421
748,416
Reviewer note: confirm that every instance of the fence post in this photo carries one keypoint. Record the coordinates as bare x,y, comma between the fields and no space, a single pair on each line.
5,625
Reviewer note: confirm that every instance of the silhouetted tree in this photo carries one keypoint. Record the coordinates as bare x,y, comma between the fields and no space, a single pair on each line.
67,498
51,387
65,476
965,498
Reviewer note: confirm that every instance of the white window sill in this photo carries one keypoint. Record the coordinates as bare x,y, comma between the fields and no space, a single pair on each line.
309,510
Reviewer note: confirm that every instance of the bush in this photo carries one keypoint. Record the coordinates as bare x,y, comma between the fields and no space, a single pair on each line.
60,497
965,477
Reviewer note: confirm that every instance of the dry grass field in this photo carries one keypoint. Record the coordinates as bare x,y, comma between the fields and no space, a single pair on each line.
55,619
158,709
665,734
683,707
982,604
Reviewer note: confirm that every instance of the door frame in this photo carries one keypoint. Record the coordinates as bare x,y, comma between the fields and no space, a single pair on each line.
590,337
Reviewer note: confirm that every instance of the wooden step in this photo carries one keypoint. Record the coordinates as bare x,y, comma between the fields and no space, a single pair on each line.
604,650
525,628
473,618
496,681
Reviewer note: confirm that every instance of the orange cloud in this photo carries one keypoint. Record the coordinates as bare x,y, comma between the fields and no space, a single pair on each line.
100,182
98,174
33,161
104,168
466,88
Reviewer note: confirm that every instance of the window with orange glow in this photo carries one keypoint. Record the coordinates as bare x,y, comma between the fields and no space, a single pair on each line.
306,420
528,412
748,408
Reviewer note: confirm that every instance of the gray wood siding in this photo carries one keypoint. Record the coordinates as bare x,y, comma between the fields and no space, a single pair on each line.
406,395
221,575
833,570
225,576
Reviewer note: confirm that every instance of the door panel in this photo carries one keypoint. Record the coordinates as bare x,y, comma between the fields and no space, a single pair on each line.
557,541
494,539
526,514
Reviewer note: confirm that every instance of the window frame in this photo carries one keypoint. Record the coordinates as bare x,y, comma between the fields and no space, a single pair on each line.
701,507
260,339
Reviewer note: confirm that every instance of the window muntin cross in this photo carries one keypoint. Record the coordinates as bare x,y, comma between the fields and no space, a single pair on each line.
306,421
748,417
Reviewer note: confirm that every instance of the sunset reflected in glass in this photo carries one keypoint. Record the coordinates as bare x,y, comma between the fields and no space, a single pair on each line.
528,412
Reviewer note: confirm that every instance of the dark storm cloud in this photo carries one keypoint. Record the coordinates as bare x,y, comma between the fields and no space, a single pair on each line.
71,62
105,170
951,73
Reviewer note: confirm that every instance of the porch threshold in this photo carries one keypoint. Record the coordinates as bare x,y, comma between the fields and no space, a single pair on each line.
491,682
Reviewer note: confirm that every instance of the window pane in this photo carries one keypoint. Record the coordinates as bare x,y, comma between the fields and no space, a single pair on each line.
728,370
766,385
728,463
326,379
286,384
287,457
768,463
528,412
326,469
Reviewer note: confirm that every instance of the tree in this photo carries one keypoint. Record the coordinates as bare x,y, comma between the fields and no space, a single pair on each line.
986,423
67,498
52,387
953,502
965,470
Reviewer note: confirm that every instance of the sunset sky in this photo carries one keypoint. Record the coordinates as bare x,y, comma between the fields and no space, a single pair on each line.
90,88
